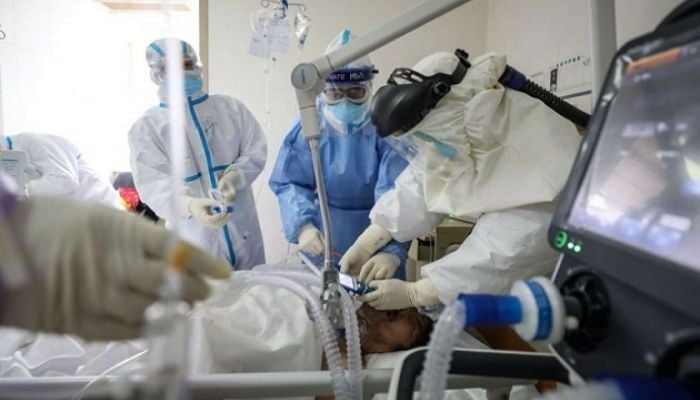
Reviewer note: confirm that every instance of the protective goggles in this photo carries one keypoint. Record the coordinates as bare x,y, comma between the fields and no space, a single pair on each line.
409,96
356,94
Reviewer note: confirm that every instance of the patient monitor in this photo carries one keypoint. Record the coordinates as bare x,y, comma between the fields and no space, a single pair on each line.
628,221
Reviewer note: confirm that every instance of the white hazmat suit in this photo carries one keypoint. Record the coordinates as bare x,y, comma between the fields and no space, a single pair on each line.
516,155
225,149
61,168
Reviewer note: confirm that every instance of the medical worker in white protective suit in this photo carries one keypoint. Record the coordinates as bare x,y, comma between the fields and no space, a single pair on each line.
86,269
225,152
483,150
59,169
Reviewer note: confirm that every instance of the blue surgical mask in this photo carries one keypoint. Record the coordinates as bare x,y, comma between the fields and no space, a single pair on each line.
348,113
193,84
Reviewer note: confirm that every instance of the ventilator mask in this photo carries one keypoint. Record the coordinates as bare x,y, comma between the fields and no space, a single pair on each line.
409,96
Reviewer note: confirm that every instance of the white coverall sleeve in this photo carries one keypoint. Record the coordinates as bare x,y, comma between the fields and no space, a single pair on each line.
253,150
150,167
402,210
57,162
504,247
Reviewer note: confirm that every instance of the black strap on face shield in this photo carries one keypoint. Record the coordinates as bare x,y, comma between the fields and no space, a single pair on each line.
398,107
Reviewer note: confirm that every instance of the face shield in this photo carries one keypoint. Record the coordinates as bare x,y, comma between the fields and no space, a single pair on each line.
441,158
345,98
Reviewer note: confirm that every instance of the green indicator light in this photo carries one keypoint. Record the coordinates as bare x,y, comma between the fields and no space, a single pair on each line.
577,248
561,239
570,245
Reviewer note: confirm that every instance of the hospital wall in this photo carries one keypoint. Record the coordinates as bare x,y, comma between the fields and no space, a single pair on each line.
537,34
269,95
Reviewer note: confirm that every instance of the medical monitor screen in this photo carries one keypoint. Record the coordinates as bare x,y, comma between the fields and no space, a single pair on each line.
642,185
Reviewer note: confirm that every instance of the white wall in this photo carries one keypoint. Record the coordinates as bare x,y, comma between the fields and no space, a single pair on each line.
636,17
76,69
234,72
536,34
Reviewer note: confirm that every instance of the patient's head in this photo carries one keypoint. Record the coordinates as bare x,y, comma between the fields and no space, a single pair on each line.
386,331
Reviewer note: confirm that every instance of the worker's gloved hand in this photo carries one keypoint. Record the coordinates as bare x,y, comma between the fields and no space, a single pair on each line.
202,209
395,294
227,186
311,240
380,266
93,270
368,243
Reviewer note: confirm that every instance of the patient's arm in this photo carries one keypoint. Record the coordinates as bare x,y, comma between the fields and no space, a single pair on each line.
504,338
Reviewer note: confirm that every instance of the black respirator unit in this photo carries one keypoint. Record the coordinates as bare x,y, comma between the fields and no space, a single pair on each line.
397,107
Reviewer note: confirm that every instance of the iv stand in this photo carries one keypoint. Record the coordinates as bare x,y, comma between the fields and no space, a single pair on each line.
309,78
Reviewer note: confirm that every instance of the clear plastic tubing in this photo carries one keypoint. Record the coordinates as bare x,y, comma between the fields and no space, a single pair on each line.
341,388
352,338
352,333
442,342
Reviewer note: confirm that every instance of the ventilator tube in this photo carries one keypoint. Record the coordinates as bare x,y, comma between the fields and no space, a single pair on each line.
534,308
437,360
341,387
306,276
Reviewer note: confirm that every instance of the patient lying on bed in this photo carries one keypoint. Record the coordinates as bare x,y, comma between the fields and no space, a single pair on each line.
266,329
257,329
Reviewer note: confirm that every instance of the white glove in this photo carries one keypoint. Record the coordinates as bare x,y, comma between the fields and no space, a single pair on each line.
311,240
94,270
227,186
381,266
395,294
371,240
202,209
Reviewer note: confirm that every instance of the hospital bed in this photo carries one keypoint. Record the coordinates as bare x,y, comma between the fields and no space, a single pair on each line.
242,385
62,367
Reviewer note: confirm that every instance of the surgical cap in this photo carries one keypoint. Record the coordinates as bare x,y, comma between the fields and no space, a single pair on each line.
360,70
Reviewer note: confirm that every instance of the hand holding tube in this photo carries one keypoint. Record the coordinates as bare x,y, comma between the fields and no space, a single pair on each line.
395,294
205,211
368,243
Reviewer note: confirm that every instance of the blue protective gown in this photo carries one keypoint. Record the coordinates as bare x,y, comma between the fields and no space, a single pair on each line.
358,168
